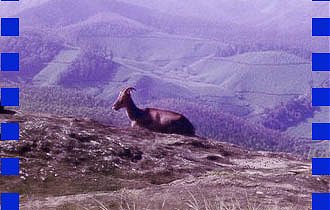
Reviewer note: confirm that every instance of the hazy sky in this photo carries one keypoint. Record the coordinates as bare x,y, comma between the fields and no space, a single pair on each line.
201,8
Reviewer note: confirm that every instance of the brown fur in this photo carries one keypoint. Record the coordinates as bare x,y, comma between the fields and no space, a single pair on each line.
158,120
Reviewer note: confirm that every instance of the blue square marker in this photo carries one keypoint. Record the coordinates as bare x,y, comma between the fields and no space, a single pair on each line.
9,131
320,61
9,201
320,131
9,96
10,167
9,26
321,166
320,201
320,26
321,96
9,61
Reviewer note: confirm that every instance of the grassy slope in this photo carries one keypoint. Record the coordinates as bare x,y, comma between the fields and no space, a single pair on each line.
51,74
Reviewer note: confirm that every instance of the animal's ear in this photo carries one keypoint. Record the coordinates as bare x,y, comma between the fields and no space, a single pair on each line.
129,90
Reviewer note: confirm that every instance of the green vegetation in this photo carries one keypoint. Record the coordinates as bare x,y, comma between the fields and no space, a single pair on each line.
290,114
36,50
94,66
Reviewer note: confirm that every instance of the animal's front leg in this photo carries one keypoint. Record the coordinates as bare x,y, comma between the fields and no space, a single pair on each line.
134,124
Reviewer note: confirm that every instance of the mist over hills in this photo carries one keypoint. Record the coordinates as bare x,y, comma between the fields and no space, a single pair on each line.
10,9
243,59
211,19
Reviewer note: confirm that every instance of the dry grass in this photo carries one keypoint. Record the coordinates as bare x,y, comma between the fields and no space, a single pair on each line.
132,202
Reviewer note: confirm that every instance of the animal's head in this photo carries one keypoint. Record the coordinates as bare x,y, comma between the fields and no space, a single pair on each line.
123,98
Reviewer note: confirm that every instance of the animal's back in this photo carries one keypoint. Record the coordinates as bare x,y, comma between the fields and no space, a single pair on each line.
172,122
163,116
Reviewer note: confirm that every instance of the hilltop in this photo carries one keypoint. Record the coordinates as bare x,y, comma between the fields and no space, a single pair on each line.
214,58
69,163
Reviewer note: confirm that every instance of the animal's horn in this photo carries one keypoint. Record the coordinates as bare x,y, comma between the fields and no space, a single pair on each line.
129,89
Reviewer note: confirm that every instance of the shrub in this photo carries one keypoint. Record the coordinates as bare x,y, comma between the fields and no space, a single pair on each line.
288,115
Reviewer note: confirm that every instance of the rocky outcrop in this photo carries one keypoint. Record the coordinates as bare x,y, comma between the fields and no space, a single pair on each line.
69,163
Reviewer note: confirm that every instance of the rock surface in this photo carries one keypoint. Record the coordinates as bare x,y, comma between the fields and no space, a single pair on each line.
69,163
